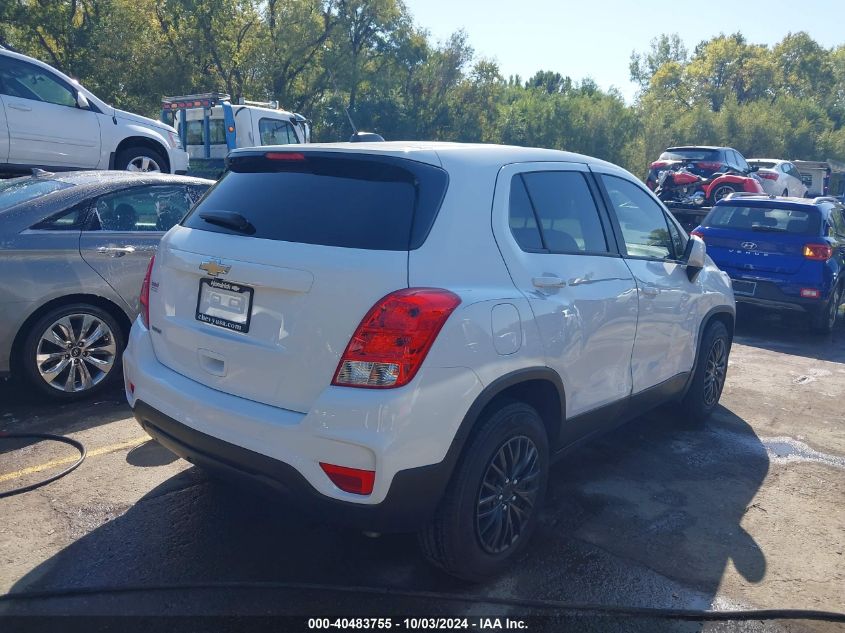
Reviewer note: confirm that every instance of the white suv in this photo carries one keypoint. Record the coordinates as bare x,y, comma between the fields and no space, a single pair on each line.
407,334
48,120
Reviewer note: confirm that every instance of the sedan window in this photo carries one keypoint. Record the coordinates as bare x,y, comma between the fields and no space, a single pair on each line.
141,209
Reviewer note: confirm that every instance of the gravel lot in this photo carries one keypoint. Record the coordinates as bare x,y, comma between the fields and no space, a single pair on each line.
747,512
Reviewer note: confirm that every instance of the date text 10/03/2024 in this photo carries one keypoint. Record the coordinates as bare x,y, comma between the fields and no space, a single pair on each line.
479,623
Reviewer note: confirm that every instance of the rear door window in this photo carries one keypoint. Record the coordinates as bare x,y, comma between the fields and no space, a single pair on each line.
365,202
765,219
566,211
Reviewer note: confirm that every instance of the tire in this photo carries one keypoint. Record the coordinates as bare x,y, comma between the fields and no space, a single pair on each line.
709,376
62,371
140,158
825,320
720,192
461,539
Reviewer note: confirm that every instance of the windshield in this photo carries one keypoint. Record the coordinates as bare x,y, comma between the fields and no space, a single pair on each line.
18,190
764,219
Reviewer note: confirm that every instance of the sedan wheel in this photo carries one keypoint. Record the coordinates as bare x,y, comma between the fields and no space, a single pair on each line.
76,353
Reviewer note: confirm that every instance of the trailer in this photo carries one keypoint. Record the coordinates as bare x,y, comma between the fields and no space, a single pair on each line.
210,126
688,215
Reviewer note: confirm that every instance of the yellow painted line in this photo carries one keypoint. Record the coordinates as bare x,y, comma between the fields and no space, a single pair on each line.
113,448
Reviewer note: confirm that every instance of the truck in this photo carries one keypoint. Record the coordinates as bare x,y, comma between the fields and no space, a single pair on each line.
209,126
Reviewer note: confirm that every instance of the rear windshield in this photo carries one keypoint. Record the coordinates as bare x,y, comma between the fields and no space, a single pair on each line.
20,190
765,219
764,164
691,154
374,203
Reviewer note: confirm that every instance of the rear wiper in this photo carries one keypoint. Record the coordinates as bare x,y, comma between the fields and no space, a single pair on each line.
766,229
229,220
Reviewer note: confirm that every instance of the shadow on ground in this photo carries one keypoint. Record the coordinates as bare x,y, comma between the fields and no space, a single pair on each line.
789,333
649,515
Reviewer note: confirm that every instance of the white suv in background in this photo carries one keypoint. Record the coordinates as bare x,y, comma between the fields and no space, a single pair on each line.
407,334
48,120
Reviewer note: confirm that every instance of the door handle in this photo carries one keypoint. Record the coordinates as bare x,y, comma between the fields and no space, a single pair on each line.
116,251
20,106
650,291
549,281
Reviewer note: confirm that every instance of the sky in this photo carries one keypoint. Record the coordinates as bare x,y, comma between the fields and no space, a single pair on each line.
595,38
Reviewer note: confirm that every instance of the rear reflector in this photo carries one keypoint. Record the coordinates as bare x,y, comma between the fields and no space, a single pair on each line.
394,337
354,480
810,293
144,299
284,156
818,252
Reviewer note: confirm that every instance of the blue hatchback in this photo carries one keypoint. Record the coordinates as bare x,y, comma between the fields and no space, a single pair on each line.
781,253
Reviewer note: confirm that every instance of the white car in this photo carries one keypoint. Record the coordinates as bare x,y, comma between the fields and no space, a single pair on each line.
48,120
779,177
406,335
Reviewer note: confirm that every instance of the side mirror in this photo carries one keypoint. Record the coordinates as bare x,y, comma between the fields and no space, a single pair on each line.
695,256
82,101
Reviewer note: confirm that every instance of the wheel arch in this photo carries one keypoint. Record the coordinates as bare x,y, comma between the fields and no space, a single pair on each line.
540,387
101,302
142,141
719,313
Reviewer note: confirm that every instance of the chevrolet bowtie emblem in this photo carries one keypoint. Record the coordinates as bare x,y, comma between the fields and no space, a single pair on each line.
214,268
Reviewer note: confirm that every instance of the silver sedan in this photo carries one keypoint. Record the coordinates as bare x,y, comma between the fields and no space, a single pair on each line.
74,249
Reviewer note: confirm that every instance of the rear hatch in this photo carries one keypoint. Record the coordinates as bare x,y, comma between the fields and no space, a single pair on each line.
259,290
759,237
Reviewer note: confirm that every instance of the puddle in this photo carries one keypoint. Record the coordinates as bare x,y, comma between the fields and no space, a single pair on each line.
786,449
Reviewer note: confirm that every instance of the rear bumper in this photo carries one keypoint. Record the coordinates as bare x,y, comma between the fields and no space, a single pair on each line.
770,295
410,502
403,435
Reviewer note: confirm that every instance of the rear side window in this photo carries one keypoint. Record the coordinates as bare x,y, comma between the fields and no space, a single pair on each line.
69,220
563,206
365,202
195,132
765,219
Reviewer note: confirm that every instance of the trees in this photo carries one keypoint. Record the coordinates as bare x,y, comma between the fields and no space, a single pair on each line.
321,57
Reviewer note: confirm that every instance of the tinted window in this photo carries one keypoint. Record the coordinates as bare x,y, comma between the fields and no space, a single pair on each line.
18,190
764,164
27,81
141,209
764,219
644,227
522,221
740,161
566,210
369,203
275,132
70,220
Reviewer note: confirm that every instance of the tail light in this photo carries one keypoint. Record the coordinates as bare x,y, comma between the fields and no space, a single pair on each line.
767,175
354,480
394,337
697,233
819,252
810,293
144,299
709,165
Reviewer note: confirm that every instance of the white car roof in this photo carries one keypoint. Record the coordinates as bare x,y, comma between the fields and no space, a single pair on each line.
766,160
